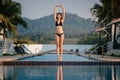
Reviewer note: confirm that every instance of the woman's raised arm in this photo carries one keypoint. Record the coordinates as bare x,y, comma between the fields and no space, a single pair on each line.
63,12
55,13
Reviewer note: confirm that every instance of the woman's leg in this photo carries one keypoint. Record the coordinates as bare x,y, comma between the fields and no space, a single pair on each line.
61,46
59,75
57,45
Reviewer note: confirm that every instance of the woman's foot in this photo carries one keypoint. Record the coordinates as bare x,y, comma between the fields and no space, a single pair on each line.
58,56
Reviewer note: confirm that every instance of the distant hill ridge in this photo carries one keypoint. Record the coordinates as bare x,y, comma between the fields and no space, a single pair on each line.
73,25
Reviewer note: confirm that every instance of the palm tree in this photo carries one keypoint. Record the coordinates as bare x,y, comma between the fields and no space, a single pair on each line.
18,42
106,12
102,12
10,16
115,8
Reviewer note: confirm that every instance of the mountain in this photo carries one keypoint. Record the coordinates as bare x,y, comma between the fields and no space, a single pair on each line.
73,26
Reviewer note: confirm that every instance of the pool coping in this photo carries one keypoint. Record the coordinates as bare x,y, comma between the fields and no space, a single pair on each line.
63,63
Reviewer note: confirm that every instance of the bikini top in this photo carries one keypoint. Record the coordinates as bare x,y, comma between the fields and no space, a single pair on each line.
60,24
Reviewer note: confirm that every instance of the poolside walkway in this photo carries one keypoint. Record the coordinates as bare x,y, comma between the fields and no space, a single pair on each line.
104,58
9,58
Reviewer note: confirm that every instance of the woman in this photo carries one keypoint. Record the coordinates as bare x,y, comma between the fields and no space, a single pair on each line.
59,34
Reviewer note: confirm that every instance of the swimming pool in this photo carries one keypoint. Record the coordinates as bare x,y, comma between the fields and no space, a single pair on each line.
64,72
53,57
46,67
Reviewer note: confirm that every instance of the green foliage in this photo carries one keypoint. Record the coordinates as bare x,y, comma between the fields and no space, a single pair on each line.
7,54
71,40
74,26
89,39
93,47
21,41
42,30
44,38
11,16
106,11
40,38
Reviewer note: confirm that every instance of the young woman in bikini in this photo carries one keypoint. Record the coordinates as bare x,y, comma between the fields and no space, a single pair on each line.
59,34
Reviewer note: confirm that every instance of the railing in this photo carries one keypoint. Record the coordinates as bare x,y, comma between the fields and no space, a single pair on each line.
110,45
93,50
105,47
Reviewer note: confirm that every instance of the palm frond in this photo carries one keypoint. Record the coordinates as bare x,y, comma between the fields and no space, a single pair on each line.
10,14
12,29
2,17
108,10
21,21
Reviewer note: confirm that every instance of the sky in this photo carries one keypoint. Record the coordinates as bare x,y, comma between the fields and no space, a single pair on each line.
34,9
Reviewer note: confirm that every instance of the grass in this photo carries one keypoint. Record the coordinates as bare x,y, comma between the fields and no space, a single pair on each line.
71,41
115,55
7,54
67,41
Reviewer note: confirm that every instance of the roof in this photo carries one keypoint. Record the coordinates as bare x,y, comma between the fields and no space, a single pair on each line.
105,27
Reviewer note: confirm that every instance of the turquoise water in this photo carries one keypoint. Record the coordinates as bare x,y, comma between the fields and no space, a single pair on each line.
66,57
64,72
53,57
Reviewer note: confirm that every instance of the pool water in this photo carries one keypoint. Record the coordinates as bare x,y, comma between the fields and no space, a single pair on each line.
61,72
46,67
53,57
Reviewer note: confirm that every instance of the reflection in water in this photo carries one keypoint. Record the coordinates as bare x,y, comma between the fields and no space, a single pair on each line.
61,72
59,57
1,73
59,75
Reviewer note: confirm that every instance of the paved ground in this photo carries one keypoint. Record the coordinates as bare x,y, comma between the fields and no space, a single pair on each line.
9,58
103,58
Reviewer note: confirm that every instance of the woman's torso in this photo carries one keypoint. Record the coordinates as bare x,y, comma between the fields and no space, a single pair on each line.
59,27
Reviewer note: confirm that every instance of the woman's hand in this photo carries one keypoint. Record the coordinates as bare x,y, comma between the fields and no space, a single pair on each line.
58,5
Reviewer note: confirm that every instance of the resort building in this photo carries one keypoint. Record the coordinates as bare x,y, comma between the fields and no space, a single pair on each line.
111,33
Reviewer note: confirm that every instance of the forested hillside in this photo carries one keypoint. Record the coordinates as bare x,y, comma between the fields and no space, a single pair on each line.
74,27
